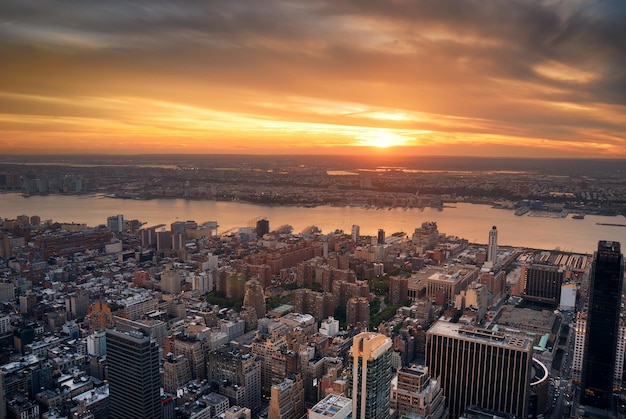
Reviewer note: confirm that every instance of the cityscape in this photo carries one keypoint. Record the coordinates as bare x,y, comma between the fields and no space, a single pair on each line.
188,320
295,209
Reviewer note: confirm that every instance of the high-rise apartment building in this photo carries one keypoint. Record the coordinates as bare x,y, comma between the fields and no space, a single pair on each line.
492,249
381,236
318,304
602,332
369,375
358,312
398,289
270,350
134,381
356,232
262,227
115,223
480,367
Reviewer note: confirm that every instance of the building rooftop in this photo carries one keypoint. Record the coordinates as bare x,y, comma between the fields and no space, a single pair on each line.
330,405
525,317
94,395
489,336
215,398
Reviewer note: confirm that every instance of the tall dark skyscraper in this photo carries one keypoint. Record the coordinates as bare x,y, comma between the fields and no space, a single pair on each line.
262,227
381,236
605,291
134,382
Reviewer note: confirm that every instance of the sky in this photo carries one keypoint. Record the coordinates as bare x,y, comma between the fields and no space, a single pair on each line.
519,78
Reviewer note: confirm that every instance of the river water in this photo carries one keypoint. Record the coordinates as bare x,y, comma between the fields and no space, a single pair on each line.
468,221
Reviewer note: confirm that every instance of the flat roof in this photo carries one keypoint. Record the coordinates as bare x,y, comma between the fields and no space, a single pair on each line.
485,336
330,405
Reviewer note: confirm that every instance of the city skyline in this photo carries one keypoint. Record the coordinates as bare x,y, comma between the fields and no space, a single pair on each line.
524,79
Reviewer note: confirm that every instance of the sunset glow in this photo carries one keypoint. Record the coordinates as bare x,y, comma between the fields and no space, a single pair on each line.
537,79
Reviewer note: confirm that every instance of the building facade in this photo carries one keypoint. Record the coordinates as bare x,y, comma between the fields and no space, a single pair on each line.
542,283
369,375
492,248
481,367
602,331
415,391
287,400
134,381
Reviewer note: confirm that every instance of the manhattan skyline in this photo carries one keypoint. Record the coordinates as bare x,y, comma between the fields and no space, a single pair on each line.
523,79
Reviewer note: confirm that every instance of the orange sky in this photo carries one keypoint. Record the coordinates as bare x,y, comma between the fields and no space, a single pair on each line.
518,78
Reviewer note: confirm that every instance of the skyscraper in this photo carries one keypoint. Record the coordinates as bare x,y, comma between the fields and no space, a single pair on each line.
492,250
605,291
480,367
356,232
381,236
369,373
134,381
115,223
262,227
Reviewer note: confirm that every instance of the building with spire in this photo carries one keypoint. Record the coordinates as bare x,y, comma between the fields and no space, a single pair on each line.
492,249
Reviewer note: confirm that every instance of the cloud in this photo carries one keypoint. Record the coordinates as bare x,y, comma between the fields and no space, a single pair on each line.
550,70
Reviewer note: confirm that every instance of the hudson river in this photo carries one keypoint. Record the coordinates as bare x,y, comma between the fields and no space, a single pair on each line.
468,221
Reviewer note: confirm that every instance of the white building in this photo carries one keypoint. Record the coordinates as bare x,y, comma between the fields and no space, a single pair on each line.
331,407
568,297
96,343
329,327
356,232
579,350
202,282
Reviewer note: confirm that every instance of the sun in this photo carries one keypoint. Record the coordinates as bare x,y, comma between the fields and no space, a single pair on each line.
381,138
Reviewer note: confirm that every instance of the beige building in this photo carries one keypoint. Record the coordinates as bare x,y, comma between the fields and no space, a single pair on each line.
413,390
176,373
443,285
287,400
